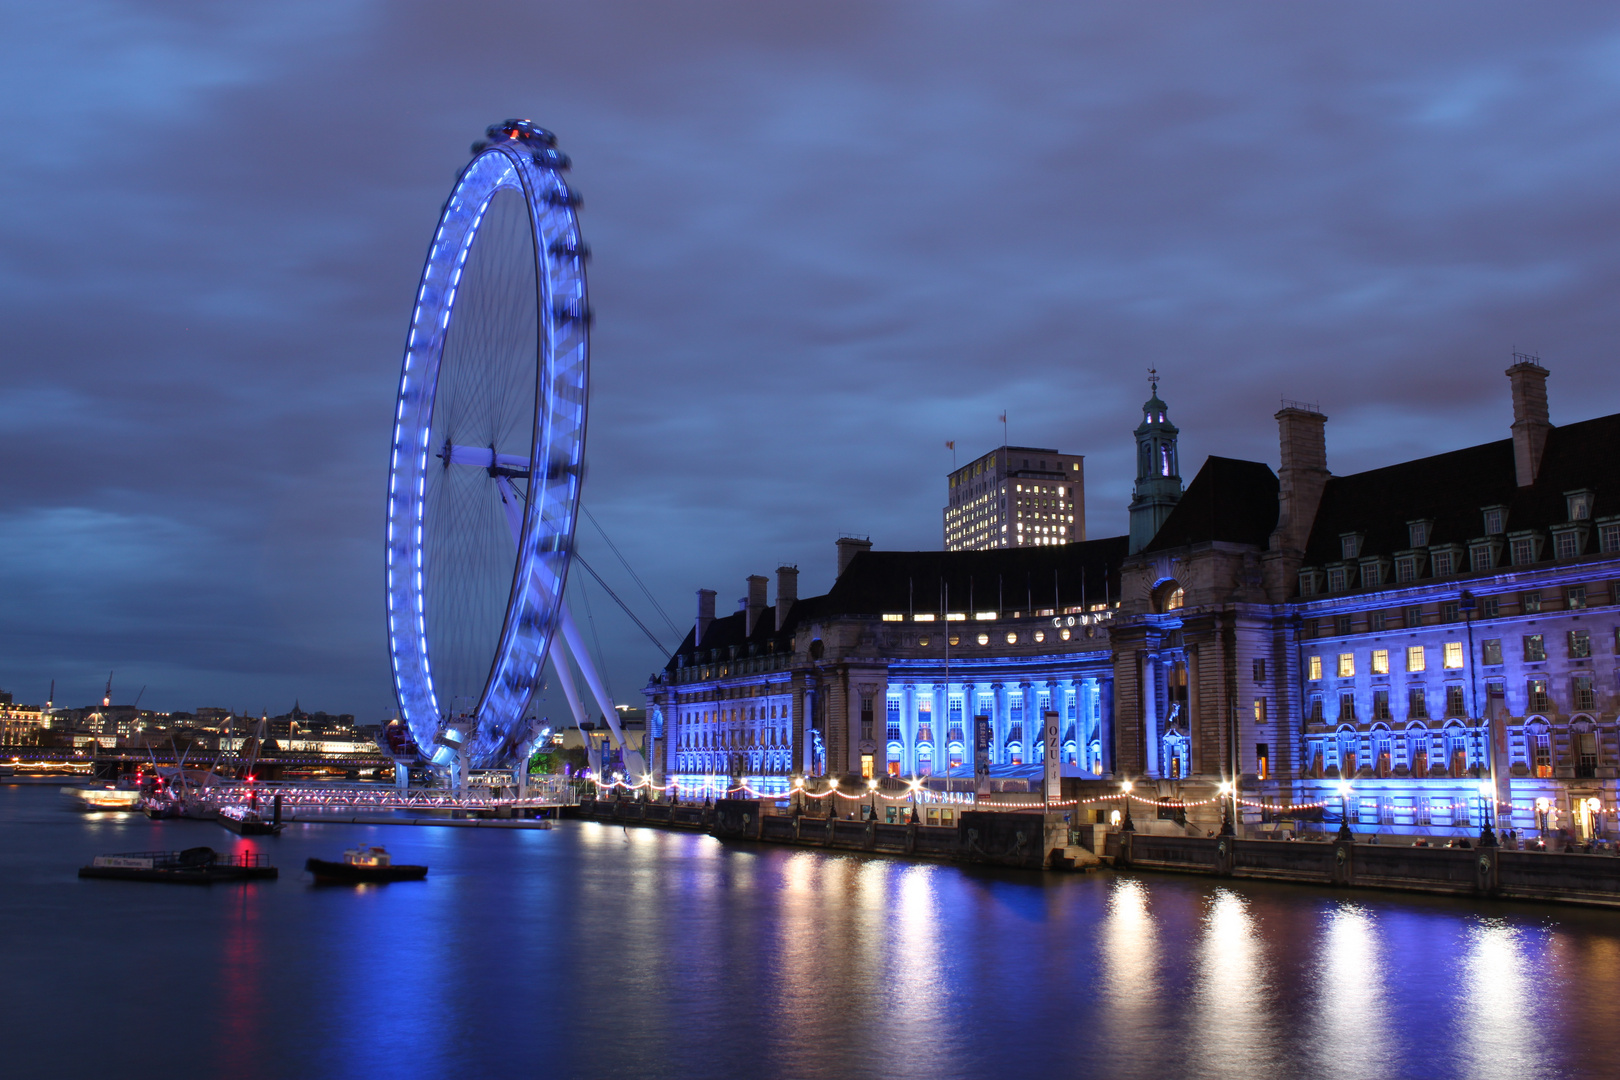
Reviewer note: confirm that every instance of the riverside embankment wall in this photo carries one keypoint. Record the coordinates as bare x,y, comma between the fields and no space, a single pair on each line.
1039,841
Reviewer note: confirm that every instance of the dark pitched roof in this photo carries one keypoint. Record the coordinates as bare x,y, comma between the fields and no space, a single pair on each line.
1229,500
1003,578
876,582
1452,488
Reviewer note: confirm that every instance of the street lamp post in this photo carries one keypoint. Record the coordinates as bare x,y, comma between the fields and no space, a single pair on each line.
1344,814
1227,813
1128,825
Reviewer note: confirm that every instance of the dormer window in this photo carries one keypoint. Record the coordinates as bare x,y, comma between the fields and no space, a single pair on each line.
1337,579
1417,532
1580,504
1349,545
1495,520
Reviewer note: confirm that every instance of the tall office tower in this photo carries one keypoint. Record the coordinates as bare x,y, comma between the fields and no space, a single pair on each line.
1016,496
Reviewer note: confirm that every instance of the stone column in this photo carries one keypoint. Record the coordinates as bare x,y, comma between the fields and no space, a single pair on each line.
1150,714
941,725
908,729
1031,723
969,709
1106,727
998,722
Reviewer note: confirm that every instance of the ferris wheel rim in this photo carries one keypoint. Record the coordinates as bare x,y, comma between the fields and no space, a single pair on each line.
556,449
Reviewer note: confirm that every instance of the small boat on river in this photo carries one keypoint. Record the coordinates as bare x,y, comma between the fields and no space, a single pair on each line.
246,821
194,866
102,797
364,866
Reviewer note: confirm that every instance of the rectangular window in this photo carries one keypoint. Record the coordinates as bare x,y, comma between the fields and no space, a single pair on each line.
1336,579
866,718
1417,704
1259,710
1609,538
1454,702
1564,545
1415,658
1536,695
1524,551
1580,644
1372,574
1482,557
1348,546
866,766
1380,705
1493,521
1414,616
1585,698
1490,607
1308,628
1347,665
1529,603
1314,667
1418,533
1454,654
1262,760
1341,625
1535,647
1442,564
1575,597
1375,621
1315,707
1541,753
1450,612
1491,651
1380,662
1260,670
1405,569
1347,708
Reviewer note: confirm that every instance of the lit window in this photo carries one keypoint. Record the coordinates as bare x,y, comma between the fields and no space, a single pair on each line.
1315,666
1454,654
1380,662
923,618
1580,644
1415,659
1347,665
984,639
1012,638
893,617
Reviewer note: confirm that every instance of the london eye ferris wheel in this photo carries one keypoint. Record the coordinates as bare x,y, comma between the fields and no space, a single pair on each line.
487,460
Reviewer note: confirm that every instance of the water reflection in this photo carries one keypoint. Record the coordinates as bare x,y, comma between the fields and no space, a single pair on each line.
1500,1005
1231,1010
1352,999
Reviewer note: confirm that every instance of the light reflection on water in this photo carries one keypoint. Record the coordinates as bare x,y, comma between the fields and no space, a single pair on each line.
595,951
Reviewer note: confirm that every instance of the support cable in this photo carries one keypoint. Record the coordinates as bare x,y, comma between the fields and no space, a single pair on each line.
631,571
579,561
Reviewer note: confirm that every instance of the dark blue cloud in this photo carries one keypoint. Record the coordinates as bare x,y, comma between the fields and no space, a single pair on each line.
828,238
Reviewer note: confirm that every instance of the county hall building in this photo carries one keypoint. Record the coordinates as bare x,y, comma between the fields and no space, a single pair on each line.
1406,646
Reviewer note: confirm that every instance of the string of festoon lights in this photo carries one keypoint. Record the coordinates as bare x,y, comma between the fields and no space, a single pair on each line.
915,788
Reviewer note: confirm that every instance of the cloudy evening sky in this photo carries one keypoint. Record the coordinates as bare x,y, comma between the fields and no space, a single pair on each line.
827,238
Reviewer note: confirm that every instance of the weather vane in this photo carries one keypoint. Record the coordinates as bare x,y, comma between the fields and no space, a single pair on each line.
1153,379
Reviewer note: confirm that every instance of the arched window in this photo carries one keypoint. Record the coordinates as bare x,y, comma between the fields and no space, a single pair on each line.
1168,596
1176,763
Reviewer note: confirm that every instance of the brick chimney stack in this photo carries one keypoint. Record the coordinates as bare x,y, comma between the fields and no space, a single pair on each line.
705,616
1530,423
755,602
1300,480
787,592
848,548
1303,475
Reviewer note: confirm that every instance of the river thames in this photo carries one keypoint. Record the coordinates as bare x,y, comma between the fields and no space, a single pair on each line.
595,951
